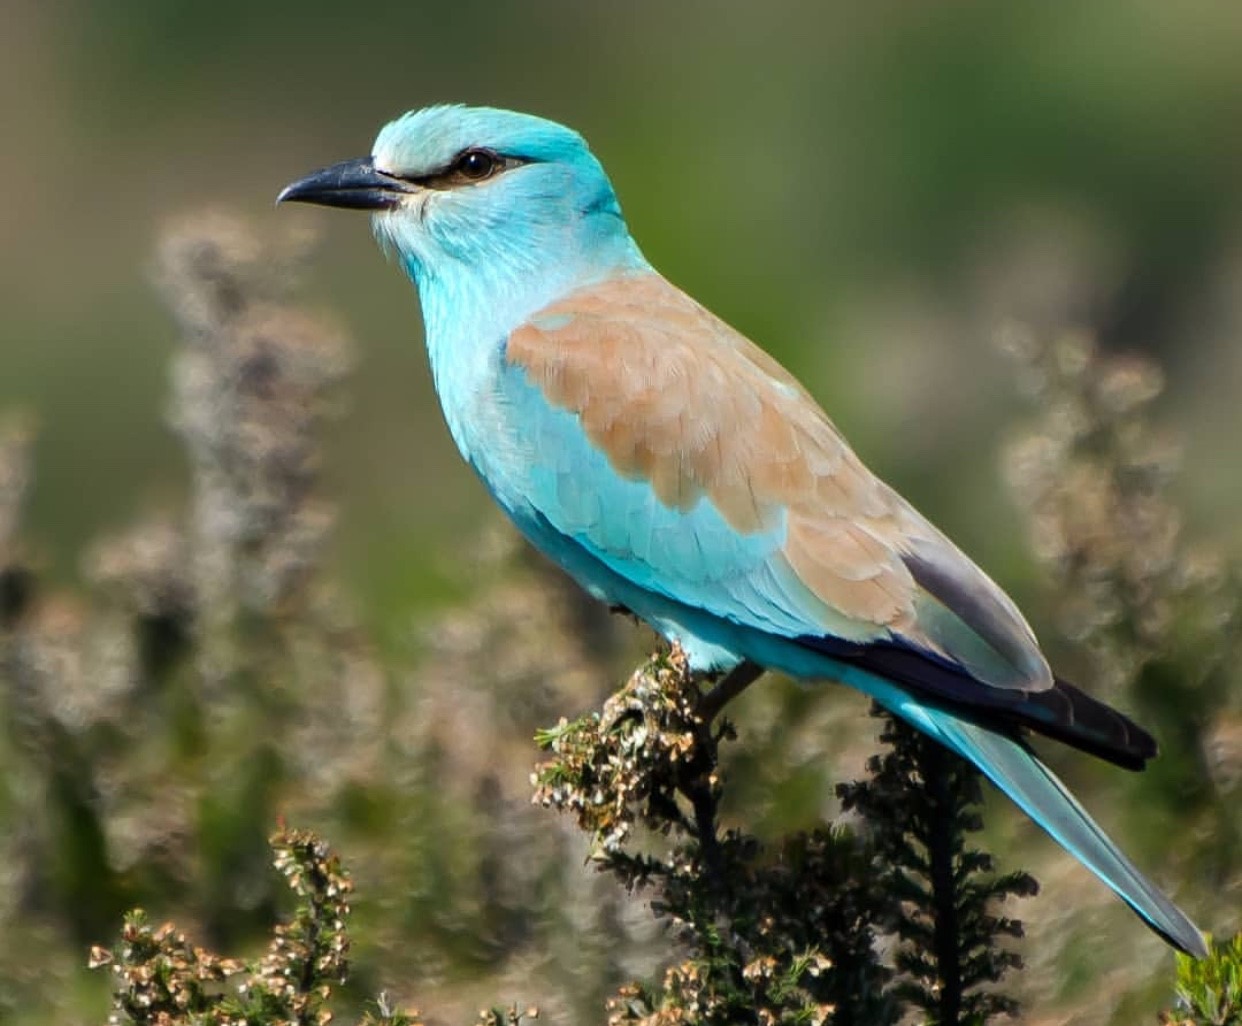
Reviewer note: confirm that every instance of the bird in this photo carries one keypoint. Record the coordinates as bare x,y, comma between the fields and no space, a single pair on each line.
673,468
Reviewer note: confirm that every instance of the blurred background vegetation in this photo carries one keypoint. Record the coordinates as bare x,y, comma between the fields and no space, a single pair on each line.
874,195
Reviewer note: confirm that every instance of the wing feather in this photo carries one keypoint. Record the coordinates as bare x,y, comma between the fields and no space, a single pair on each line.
672,397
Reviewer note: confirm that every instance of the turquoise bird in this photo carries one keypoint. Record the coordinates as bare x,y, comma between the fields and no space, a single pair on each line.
672,467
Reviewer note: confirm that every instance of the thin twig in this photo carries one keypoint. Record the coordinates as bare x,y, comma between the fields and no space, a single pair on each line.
733,684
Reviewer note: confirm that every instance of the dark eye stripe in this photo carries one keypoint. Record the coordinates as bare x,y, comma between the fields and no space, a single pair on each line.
455,175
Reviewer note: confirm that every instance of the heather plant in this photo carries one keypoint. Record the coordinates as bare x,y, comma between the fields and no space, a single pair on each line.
1209,991
767,934
771,936
921,803
787,933
212,679
162,979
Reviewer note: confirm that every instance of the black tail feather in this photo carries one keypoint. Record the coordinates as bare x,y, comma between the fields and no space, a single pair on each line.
1062,712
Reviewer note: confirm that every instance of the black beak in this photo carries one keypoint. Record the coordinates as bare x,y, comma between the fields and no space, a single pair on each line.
352,183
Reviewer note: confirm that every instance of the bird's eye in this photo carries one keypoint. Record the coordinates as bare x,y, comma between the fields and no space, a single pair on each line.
476,165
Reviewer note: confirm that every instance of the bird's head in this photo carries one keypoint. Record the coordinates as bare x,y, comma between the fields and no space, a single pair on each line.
460,192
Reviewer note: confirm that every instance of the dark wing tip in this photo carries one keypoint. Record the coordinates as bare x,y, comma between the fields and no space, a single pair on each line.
1068,714
1062,712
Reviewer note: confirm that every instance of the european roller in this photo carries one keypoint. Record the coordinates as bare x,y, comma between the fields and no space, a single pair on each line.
673,468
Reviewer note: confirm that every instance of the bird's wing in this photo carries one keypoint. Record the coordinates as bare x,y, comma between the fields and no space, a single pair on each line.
695,464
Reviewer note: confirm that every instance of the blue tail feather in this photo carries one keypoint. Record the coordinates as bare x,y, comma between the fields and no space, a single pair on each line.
1035,789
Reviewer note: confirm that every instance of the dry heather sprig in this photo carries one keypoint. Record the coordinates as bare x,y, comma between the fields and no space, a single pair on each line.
308,955
161,979
628,764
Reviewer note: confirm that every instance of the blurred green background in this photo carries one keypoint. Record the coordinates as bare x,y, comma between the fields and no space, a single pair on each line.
869,191
844,182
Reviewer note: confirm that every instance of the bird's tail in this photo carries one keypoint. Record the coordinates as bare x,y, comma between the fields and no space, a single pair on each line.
1014,768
